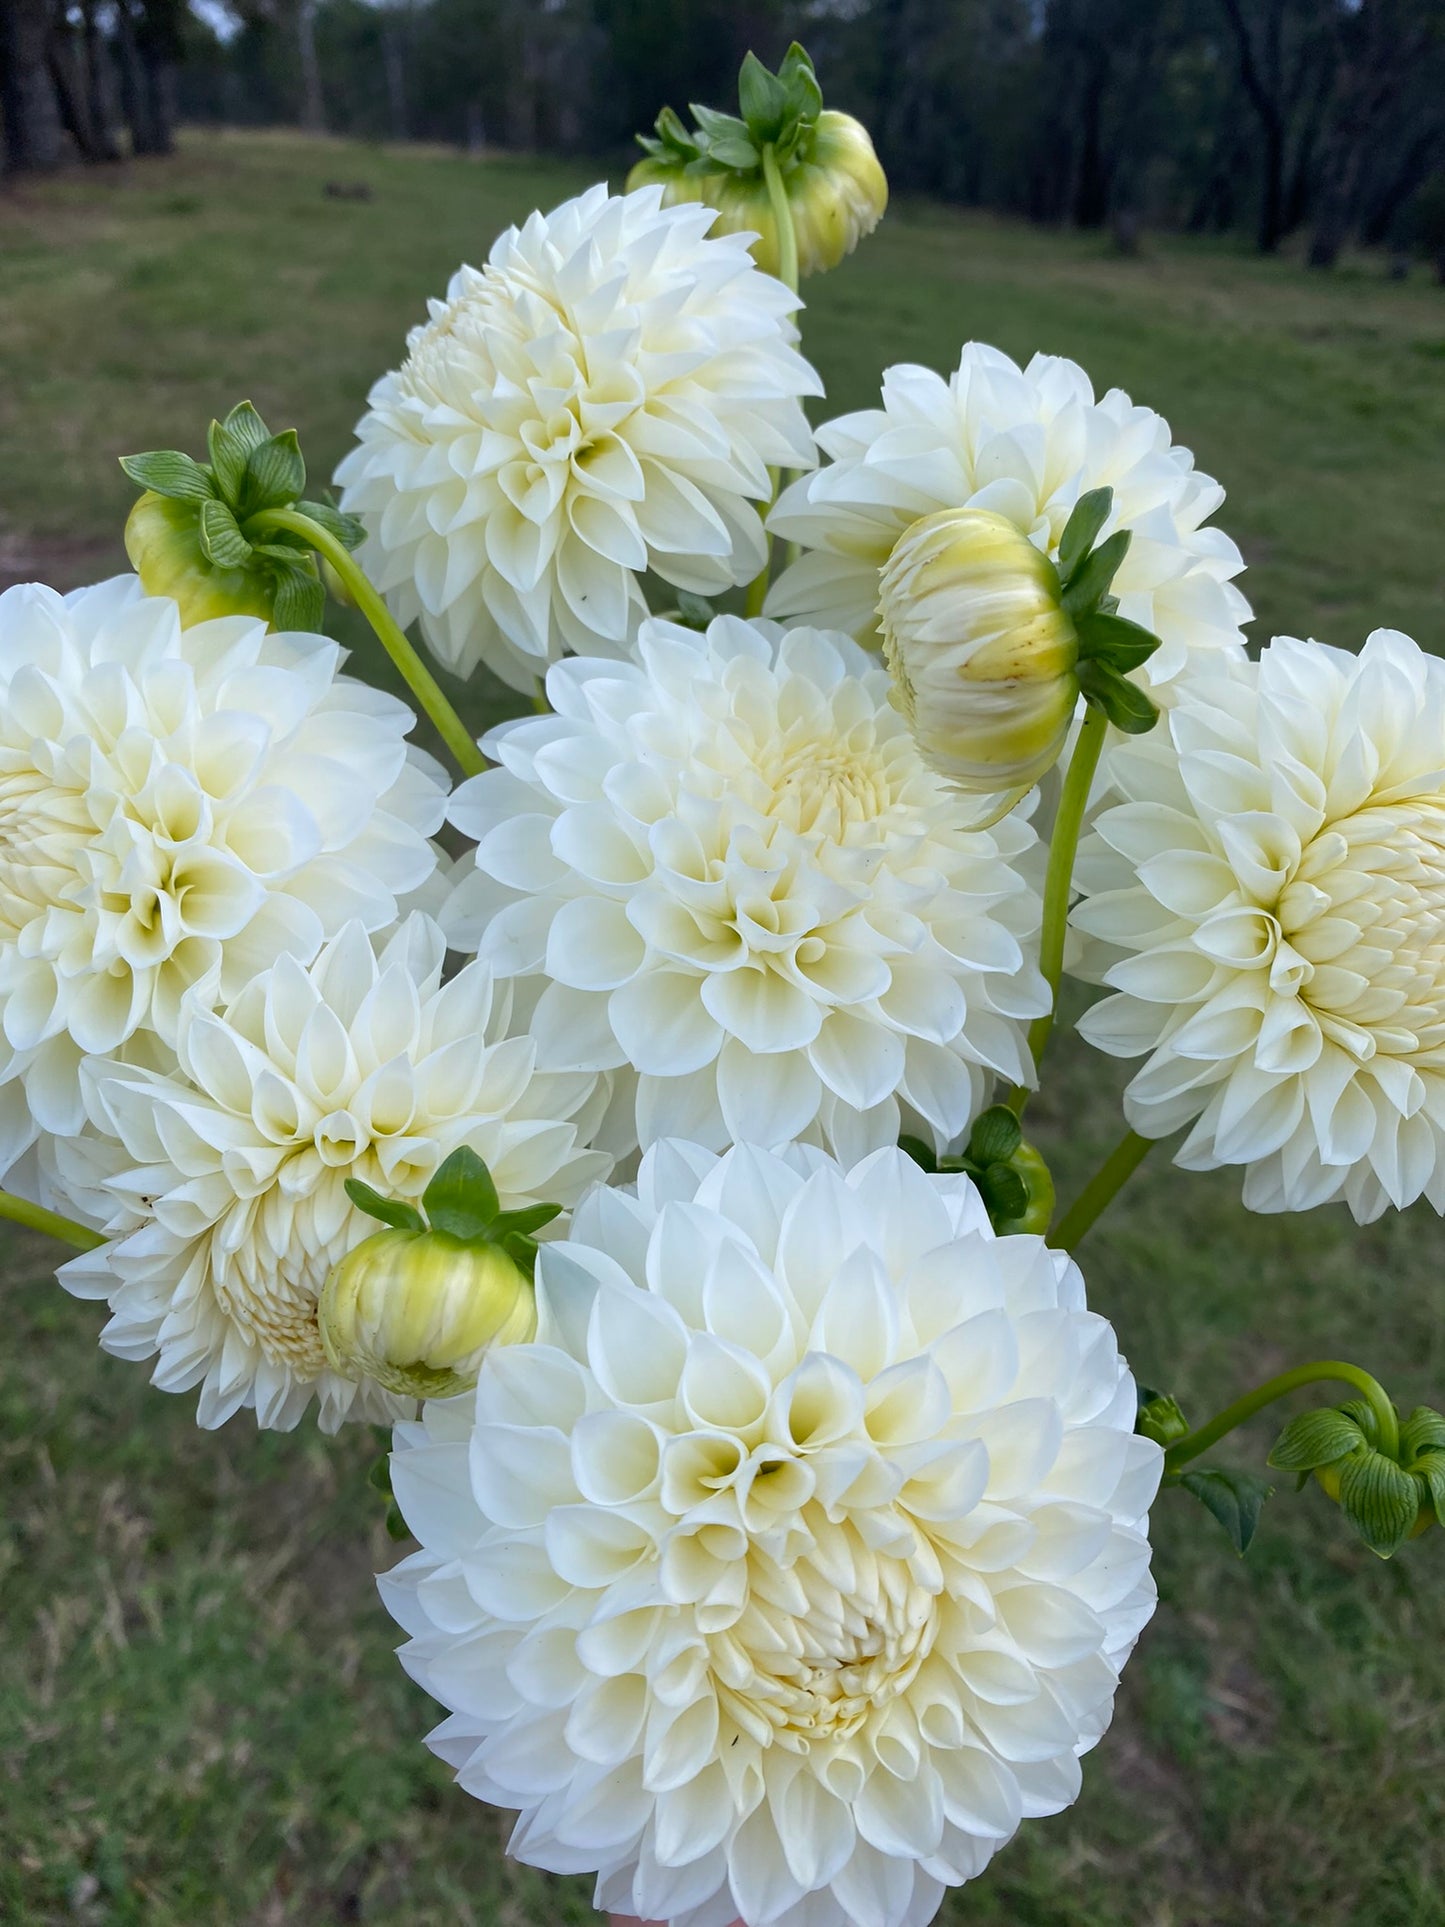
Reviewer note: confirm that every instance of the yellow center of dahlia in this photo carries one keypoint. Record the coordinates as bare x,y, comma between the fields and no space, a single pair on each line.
1365,917
824,785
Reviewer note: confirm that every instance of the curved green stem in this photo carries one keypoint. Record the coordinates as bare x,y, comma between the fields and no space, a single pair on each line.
1063,847
1101,1190
35,1217
1322,1369
787,272
419,679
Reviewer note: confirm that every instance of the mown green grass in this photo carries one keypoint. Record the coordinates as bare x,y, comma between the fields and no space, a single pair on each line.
200,1717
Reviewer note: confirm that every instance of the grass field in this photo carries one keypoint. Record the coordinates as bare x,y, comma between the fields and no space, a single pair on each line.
200,1718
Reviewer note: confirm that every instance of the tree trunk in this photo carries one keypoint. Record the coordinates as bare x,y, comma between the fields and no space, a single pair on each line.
66,60
313,103
99,89
27,92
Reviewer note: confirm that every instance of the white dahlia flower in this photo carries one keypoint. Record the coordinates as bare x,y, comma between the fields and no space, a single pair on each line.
1026,443
1271,892
734,873
177,807
603,398
797,1560
231,1209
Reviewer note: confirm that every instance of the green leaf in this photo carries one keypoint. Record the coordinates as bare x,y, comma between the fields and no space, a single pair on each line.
1236,1500
1160,1418
168,472
1115,640
921,1153
995,1136
222,542
1314,1438
275,473
461,1198
349,530
762,99
299,603
1423,1431
1380,1500
805,96
393,1211
1004,1193
1081,531
1091,578
529,1219
1125,704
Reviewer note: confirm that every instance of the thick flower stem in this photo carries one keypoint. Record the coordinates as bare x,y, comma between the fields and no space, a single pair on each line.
1101,1190
1322,1369
35,1217
1063,847
787,272
419,679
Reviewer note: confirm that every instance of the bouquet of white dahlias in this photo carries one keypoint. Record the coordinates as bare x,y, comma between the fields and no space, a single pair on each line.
658,1166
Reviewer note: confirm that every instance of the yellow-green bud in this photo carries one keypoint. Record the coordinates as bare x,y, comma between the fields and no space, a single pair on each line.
837,195
669,173
163,541
418,1310
983,654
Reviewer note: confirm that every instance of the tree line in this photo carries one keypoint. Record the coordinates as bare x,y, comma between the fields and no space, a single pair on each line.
1272,117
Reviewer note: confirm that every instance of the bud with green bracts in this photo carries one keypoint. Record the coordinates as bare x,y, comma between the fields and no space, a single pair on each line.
418,1306
990,643
1014,1182
194,535
838,192
1388,1495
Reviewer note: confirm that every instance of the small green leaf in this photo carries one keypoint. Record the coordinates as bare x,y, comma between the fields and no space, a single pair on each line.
1091,578
349,530
694,611
1081,531
275,473
1236,1500
1380,1500
222,542
461,1198
805,96
529,1219
1160,1417
1115,640
995,1136
715,126
921,1153
168,472
1004,1193
230,443
299,604
1314,1438
762,99
393,1211
1125,704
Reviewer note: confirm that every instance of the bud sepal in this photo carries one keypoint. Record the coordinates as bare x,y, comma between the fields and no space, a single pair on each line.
1388,1495
1014,1182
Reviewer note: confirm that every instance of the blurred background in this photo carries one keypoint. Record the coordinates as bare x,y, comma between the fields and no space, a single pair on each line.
1232,208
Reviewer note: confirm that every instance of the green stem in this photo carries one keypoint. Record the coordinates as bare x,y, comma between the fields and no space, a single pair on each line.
787,272
1101,1190
1063,847
1321,1369
36,1218
419,679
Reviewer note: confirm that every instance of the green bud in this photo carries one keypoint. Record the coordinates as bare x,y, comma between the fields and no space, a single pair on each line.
163,541
1160,1417
1388,1498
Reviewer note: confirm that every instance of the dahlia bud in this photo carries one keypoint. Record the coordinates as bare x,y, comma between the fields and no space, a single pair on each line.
163,541
1390,1490
837,194
1014,1182
983,654
417,1306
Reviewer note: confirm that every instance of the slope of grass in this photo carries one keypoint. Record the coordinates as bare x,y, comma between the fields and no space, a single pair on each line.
200,1717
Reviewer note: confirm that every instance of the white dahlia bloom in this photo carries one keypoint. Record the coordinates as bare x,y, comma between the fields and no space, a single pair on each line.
603,398
177,807
230,1208
1026,443
797,1560
733,872
1271,892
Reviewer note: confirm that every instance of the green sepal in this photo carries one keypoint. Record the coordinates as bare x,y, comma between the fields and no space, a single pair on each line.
222,542
995,1136
524,1222
461,1198
796,72
1235,1499
1428,1471
1314,1438
1089,581
166,471
1380,1499
923,1155
1124,645
1124,703
734,152
379,1475
762,100
230,444
694,611
299,602
396,1526
1004,1193
393,1211
275,473
1363,1414
522,1251
349,530
1081,531
1423,1431
1160,1417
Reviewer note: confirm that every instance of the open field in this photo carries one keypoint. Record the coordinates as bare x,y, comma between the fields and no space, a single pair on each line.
200,1718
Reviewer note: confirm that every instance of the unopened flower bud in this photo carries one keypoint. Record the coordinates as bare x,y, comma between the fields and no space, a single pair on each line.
983,654
418,1310
163,541
837,194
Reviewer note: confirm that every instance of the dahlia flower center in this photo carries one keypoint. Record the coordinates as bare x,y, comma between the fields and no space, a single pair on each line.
1365,914
821,785
801,1679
